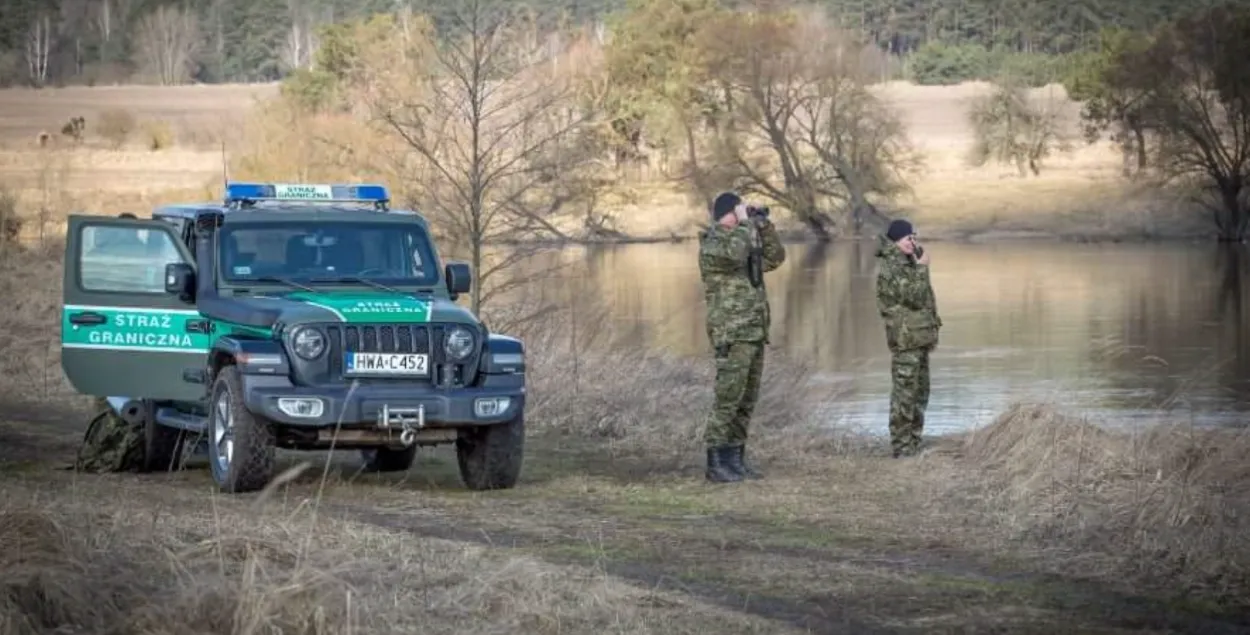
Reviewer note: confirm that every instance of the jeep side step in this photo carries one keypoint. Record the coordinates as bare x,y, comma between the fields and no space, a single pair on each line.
181,420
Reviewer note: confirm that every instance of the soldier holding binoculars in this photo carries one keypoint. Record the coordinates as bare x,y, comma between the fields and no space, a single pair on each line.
734,253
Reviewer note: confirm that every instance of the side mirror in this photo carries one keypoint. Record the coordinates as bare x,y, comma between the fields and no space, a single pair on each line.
459,278
180,280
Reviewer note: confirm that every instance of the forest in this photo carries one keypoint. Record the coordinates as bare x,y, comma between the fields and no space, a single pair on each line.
62,42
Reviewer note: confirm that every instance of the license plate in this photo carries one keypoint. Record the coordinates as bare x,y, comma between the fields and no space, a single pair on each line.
387,364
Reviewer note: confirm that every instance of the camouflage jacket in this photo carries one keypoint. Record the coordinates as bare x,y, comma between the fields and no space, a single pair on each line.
737,311
905,300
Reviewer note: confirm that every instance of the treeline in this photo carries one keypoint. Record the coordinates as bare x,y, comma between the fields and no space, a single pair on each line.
497,110
60,42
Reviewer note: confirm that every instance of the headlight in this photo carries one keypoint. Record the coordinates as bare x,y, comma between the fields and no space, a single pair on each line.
308,343
458,344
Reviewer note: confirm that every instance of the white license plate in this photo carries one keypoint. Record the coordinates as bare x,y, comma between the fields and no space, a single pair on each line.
387,364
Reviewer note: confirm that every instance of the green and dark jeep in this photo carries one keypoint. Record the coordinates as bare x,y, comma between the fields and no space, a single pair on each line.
290,316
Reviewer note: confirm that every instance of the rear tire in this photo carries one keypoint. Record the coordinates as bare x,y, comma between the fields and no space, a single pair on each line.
490,457
240,444
388,459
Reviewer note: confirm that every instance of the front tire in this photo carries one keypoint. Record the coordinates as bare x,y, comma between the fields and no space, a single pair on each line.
240,445
388,459
490,457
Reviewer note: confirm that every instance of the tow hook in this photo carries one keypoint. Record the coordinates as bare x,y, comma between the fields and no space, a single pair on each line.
408,420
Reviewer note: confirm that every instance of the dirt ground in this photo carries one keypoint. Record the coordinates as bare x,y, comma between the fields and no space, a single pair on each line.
844,545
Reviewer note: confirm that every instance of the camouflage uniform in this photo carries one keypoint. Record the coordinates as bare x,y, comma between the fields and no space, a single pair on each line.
111,444
738,321
906,302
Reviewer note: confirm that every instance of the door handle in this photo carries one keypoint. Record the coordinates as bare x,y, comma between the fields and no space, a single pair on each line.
87,319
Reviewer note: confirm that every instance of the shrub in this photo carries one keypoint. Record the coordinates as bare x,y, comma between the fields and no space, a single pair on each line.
116,126
159,135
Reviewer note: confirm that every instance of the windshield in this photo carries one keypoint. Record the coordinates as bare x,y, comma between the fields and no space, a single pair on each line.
387,253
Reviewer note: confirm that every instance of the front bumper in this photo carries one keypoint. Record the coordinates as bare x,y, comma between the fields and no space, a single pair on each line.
346,406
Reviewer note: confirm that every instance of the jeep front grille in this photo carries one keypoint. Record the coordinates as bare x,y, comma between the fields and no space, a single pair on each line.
397,338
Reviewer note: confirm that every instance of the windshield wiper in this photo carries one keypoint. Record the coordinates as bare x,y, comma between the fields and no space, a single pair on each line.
365,281
289,283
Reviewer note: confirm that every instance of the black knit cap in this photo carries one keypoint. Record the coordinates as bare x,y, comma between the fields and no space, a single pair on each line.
724,204
899,230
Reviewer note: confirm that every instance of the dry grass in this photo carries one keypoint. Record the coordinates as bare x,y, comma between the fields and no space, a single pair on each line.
69,568
170,150
653,403
1163,505
1168,502
212,110
30,331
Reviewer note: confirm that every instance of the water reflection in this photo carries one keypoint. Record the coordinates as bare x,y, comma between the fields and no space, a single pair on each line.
1119,331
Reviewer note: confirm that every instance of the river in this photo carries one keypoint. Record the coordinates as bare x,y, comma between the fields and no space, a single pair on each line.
1125,334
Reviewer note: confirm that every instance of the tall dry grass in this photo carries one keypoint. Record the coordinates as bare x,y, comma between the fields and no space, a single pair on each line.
1167,503
30,325
93,573
590,381
67,568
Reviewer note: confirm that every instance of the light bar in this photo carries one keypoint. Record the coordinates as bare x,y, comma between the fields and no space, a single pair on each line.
332,193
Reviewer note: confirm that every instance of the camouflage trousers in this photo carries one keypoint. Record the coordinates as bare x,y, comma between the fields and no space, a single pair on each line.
909,397
739,367
110,443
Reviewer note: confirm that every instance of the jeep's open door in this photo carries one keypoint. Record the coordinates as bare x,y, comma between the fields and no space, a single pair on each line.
122,335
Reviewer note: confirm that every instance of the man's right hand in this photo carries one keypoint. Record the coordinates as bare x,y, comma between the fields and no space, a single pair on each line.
924,258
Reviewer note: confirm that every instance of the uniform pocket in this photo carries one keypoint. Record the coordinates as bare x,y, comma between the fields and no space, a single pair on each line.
891,336
912,337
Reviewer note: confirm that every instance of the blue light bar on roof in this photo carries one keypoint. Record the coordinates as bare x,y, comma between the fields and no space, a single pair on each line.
337,193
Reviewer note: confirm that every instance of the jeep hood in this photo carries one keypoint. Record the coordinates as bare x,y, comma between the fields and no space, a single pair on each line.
352,307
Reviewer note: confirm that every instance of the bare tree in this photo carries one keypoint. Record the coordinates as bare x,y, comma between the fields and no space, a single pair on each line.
166,40
1010,128
104,20
496,145
213,29
301,41
38,45
798,124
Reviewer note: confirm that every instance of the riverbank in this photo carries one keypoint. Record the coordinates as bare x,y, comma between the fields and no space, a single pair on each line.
1080,194
1037,522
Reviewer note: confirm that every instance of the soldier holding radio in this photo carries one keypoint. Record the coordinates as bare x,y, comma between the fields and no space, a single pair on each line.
907,305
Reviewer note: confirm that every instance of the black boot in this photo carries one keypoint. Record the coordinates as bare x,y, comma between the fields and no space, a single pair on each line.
739,465
720,467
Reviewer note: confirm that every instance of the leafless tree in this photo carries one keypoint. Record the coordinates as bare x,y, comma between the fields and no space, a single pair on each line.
1009,127
38,45
166,40
104,19
496,146
301,39
797,122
